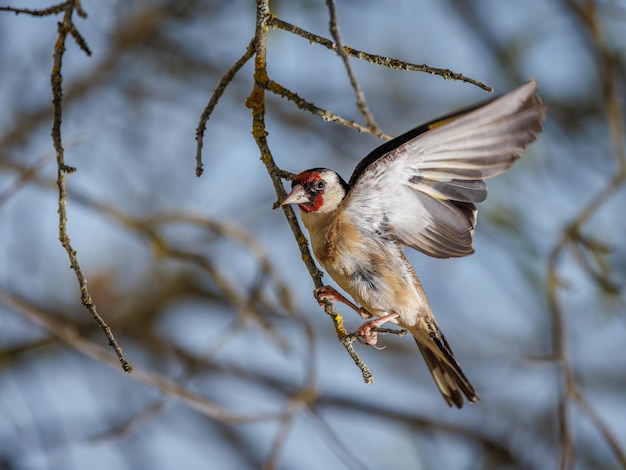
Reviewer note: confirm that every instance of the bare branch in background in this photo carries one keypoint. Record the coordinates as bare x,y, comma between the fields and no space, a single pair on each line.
611,75
69,336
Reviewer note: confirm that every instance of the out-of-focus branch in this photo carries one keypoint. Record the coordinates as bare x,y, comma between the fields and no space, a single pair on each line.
127,35
129,426
611,74
135,31
329,403
30,173
68,334
153,228
584,250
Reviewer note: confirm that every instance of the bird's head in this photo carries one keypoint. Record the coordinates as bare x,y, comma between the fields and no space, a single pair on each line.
317,190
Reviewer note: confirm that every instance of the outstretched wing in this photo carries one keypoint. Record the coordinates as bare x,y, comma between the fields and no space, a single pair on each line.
421,187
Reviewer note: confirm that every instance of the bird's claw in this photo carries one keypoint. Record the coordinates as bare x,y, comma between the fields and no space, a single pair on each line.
367,333
367,336
327,294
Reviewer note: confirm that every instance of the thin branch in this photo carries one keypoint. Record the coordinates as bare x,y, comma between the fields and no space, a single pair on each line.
217,94
358,91
256,102
326,115
80,40
53,10
64,28
373,58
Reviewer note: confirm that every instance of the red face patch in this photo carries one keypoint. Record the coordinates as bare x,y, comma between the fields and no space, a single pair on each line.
305,177
309,180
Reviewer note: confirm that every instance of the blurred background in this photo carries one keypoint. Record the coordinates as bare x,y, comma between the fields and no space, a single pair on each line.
202,282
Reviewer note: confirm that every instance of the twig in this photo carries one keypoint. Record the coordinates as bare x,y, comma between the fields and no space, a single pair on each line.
217,94
326,115
390,331
80,40
373,58
256,102
64,28
53,10
358,91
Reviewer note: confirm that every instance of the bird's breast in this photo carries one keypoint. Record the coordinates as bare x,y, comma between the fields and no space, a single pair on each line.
334,239
373,271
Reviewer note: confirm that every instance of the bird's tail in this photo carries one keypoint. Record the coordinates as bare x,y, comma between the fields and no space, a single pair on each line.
442,364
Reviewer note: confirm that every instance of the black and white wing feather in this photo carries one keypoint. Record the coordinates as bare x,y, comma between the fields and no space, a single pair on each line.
420,188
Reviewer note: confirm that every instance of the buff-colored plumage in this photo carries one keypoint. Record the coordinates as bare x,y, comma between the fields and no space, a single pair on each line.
418,190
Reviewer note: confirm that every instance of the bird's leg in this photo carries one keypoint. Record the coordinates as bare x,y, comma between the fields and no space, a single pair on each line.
329,293
369,337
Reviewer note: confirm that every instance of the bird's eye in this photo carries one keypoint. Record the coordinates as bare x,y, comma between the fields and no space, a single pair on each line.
320,185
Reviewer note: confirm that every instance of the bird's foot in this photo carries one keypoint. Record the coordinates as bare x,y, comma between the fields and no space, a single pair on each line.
366,333
329,294
366,336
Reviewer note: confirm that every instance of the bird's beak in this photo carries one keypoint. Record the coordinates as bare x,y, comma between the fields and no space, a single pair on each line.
297,196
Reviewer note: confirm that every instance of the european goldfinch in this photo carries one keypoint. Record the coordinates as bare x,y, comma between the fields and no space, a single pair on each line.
418,190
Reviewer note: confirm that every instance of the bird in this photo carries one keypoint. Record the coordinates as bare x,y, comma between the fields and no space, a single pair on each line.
418,190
